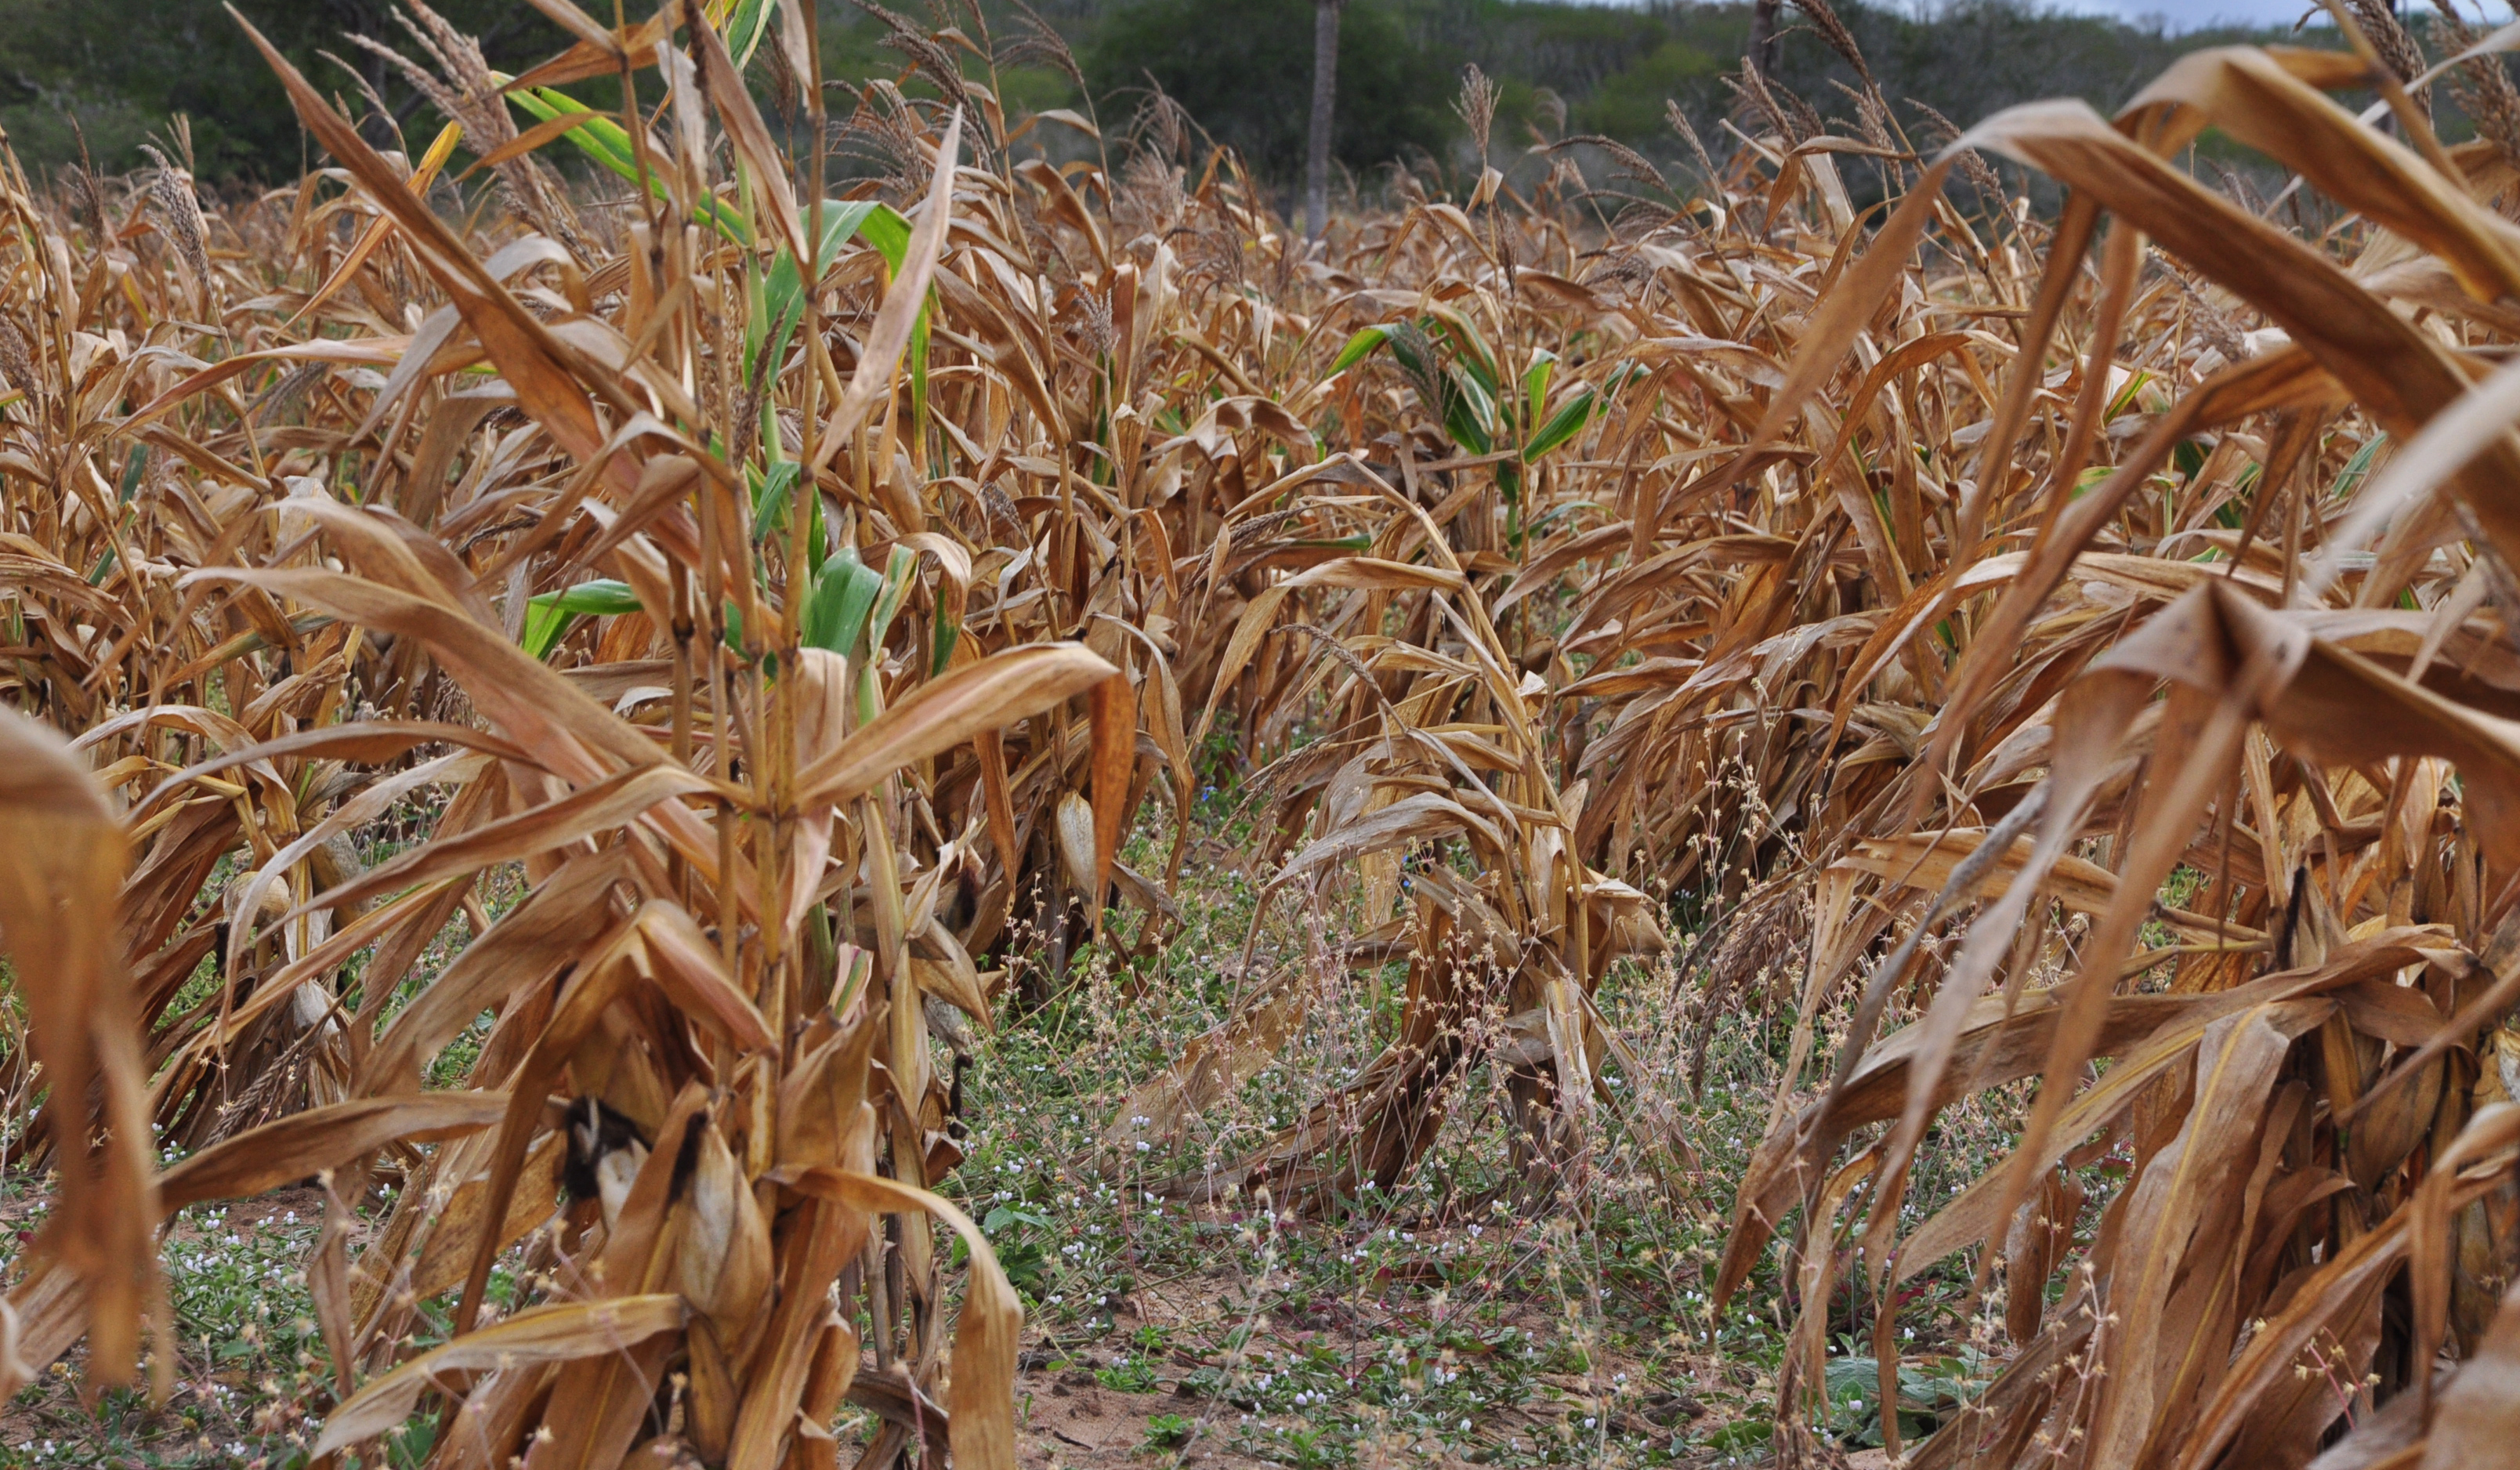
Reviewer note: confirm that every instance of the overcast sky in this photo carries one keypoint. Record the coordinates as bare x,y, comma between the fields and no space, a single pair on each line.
2183,15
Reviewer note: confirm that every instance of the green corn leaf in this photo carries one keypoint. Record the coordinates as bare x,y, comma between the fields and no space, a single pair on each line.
887,230
772,490
783,303
1470,412
897,582
744,27
843,595
1535,384
949,628
602,598
1476,359
1412,348
2357,469
2125,398
550,616
133,470
1562,426
1359,347
609,145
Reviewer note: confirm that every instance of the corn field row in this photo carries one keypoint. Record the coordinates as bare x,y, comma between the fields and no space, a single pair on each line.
2077,651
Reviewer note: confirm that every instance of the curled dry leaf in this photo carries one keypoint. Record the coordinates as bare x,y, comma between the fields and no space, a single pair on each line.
554,1333
61,861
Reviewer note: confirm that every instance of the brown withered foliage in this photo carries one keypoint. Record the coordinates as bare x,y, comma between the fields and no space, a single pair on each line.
1970,616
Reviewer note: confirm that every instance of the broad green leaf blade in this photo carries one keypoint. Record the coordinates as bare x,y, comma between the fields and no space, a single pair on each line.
744,28
772,489
845,594
551,614
887,230
1476,358
1359,347
1470,412
896,589
603,140
1562,426
783,294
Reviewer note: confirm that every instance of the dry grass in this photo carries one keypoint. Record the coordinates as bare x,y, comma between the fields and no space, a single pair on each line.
2001,652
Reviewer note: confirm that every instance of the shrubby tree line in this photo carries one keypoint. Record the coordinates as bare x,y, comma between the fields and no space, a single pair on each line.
100,78
104,77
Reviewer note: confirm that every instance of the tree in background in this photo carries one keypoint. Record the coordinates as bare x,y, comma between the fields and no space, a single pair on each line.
1763,35
122,68
1241,69
1317,160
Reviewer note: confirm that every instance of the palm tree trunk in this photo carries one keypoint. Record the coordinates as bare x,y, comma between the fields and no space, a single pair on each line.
1317,162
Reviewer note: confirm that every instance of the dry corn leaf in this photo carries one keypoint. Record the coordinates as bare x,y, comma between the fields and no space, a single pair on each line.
554,1333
